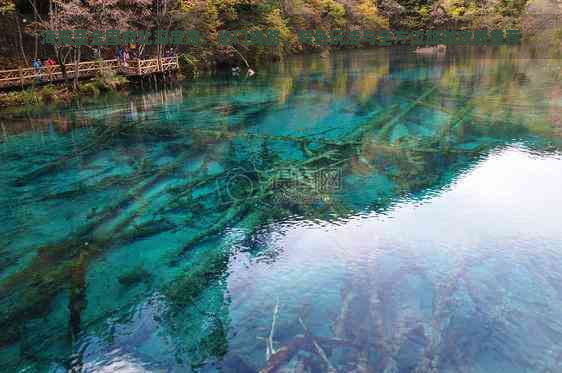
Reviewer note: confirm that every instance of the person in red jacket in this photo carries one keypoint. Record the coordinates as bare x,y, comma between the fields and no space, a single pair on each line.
50,68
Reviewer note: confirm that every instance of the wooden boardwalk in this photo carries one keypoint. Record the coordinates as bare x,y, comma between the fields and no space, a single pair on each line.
26,76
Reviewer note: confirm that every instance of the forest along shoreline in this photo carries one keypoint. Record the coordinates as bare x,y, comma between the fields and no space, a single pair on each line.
24,22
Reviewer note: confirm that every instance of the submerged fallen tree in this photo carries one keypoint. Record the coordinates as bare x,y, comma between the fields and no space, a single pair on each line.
408,164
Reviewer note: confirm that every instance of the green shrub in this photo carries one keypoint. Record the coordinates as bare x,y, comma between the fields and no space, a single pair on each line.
188,65
26,97
50,93
89,89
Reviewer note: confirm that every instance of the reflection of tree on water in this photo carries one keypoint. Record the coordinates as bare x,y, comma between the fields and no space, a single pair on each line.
413,144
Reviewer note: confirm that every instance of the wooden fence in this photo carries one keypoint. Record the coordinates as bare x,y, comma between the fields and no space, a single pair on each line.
26,76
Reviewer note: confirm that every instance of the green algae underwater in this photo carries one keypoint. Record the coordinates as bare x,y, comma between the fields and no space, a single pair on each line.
371,211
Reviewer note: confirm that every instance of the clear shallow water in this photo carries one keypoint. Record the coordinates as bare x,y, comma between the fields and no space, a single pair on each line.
406,210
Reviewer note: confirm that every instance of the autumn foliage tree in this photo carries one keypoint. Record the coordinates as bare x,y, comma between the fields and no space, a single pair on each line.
213,16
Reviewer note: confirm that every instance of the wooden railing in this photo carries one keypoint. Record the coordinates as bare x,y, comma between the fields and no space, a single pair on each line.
25,76
146,67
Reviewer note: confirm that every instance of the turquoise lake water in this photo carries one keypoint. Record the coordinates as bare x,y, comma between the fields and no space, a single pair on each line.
364,212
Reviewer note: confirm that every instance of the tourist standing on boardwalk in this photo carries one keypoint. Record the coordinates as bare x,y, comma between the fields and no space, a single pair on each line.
126,58
50,68
37,66
119,55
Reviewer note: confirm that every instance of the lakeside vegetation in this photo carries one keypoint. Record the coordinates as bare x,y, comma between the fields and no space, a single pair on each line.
30,17
60,93
24,20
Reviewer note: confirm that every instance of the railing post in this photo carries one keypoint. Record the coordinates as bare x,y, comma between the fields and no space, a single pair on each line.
21,76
